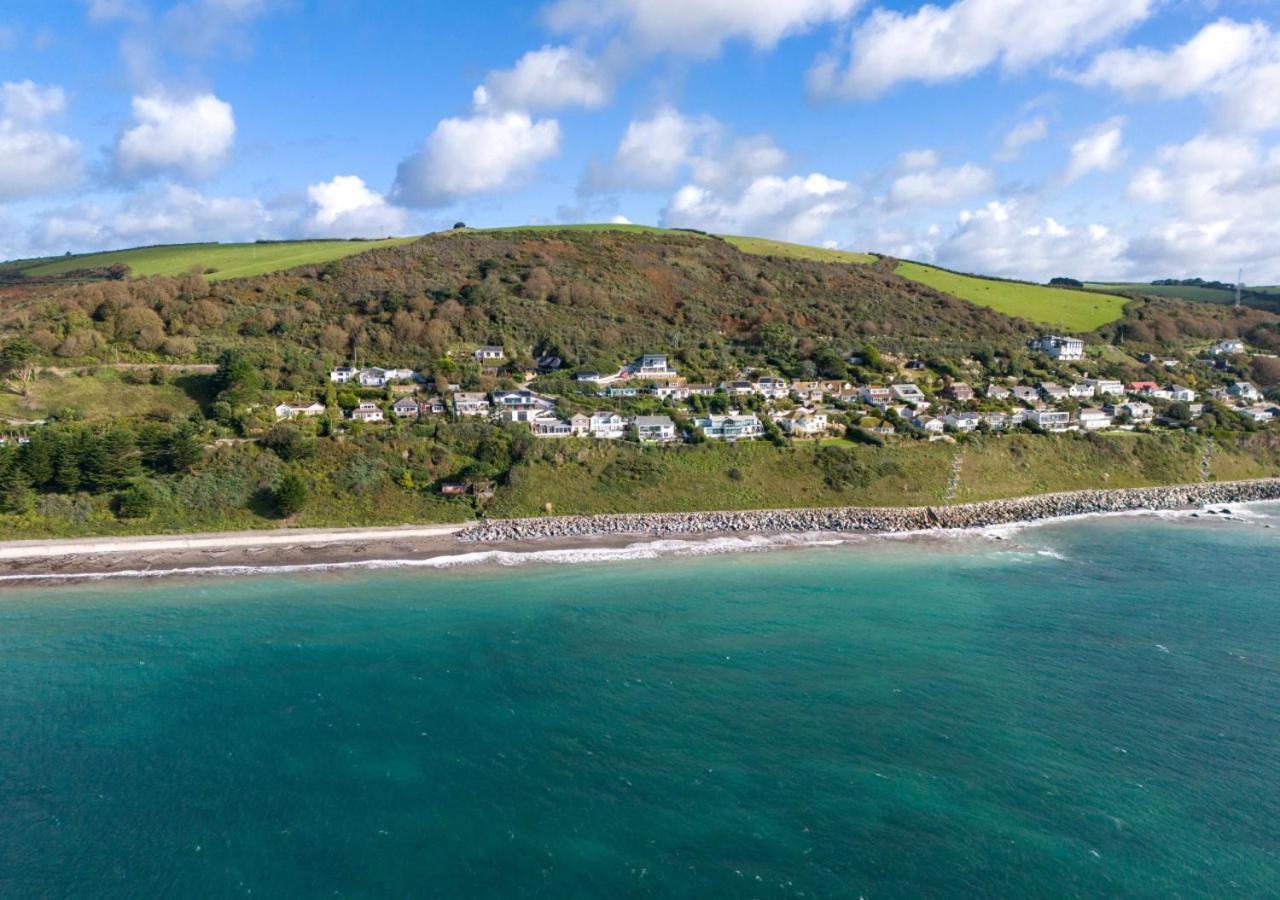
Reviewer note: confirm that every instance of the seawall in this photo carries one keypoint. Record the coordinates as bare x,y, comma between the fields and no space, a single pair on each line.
880,519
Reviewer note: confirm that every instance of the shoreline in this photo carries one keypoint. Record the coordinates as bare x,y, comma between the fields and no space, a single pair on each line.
576,538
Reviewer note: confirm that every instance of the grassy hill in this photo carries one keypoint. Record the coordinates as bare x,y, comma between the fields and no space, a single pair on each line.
214,261
1071,310
1262,297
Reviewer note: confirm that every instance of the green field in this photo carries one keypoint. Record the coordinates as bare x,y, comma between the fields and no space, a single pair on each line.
763,247
216,261
1077,311
1177,291
104,394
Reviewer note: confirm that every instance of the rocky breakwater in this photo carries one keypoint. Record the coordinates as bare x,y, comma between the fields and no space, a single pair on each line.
878,519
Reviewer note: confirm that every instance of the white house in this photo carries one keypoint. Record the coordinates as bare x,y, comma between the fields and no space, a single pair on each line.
996,421
908,393
1227,348
376,377
1103,387
523,399
367,412
1050,419
1065,349
653,365
672,391
1093,419
1138,412
1026,394
733,427
343,374
469,403
1053,392
773,388
875,395
1258,413
1244,390
405,408
963,421
930,424
804,423
297,411
1081,390
998,392
655,429
550,427
490,354
1182,393
607,424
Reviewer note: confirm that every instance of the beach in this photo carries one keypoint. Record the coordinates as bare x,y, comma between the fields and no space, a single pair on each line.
573,537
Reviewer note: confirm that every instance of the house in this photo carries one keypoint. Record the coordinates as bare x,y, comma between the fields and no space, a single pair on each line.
1025,394
490,354
738,388
1227,348
701,390
1050,419
522,399
959,392
804,423
1081,390
624,391
550,427
298,411
468,403
1103,387
877,396
908,393
807,391
548,364
606,424
1244,391
433,406
962,421
580,424
405,408
929,424
1060,348
1258,413
733,427
1181,393
998,392
1142,387
671,391
653,365
1053,392
1093,419
587,376
773,388
367,412
655,429
1139,413
343,374
840,390
996,421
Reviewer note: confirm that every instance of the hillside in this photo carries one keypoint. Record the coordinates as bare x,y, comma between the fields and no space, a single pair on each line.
1069,310
1259,297
214,261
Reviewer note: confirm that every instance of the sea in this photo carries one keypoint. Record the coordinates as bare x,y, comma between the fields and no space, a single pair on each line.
1088,708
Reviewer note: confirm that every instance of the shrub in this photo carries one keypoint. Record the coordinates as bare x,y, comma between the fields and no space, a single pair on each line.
136,501
291,494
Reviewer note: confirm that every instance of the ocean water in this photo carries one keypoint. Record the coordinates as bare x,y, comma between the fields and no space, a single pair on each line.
1084,709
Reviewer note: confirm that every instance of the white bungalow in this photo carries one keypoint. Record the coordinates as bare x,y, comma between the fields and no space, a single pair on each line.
1082,390
1104,387
962,421
930,424
367,412
1093,419
804,423
490,354
298,411
470,403
405,408
655,429
1227,348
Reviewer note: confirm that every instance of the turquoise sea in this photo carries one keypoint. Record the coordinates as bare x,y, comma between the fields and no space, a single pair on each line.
1085,709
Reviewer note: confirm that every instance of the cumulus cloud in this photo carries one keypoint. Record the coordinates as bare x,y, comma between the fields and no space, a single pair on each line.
345,206
931,186
936,44
658,151
187,135
475,155
1099,151
697,27
33,159
547,79
1008,239
1022,134
798,208
1235,64
1214,198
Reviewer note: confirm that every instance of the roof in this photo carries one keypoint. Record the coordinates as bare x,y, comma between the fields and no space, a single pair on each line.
653,421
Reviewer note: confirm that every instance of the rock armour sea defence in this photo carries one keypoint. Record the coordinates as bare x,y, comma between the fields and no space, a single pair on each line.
880,519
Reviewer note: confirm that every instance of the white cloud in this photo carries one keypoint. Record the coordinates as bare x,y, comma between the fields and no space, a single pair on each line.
34,160
1007,239
1099,151
939,187
698,27
1236,64
188,135
798,208
475,155
620,220
918,159
116,11
345,206
1022,134
936,44
658,151
546,79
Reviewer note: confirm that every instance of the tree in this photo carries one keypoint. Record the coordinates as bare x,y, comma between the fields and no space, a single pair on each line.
288,442
291,494
136,502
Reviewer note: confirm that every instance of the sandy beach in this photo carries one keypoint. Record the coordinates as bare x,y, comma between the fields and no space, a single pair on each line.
22,562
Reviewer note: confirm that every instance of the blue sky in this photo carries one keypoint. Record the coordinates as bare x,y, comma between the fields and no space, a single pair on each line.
1096,138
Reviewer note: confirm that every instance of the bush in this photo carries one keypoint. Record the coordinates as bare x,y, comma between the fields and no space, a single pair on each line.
136,501
841,469
291,494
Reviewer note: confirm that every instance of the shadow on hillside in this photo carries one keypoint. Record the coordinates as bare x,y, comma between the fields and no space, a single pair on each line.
199,388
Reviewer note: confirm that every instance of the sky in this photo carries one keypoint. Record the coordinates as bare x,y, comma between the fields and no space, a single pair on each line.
1097,139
